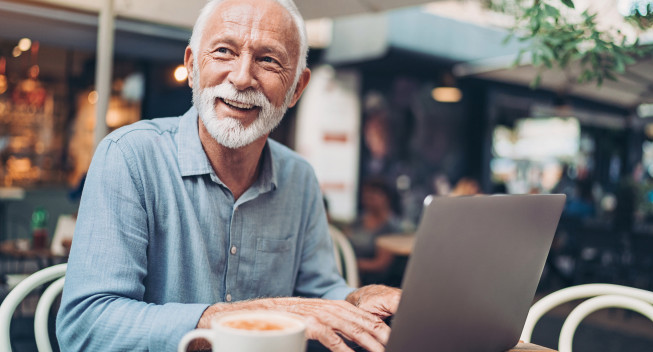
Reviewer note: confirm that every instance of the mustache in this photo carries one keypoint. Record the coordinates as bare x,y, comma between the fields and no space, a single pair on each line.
228,91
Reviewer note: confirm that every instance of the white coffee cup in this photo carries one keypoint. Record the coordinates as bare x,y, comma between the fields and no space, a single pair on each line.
252,331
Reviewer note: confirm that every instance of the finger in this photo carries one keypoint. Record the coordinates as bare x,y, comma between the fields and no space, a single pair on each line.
315,330
380,300
367,334
359,326
380,308
341,309
362,313
371,322
363,339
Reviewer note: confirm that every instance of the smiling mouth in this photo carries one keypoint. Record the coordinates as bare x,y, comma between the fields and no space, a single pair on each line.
238,105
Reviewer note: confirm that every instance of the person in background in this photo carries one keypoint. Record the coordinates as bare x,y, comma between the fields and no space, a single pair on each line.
377,141
466,186
579,206
379,160
379,216
580,203
183,219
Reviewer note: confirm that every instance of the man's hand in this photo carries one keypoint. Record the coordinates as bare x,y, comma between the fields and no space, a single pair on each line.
379,300
327,321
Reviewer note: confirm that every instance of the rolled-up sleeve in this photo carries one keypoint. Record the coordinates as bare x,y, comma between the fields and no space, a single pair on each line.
103,307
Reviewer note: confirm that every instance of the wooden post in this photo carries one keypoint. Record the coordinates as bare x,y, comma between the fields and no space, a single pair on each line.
104,68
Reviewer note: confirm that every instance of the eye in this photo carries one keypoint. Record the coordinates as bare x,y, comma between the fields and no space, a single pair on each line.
268,59
223,53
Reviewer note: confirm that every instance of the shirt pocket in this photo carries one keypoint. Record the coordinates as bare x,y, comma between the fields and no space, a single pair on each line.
274,269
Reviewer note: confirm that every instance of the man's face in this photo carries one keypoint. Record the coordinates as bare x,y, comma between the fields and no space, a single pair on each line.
373,198
243,75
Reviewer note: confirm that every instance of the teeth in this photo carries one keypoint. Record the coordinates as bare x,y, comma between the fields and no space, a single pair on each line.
238,104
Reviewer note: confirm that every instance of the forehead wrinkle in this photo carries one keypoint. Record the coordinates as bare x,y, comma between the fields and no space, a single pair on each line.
265,46
258,28
257,21
254,17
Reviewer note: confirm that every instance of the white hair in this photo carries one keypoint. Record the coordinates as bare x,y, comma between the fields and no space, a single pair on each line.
289,5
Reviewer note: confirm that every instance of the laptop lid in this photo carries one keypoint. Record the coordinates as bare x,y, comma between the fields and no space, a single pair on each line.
473,272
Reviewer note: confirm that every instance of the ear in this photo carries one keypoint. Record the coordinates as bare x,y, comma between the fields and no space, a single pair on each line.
301,85
189,62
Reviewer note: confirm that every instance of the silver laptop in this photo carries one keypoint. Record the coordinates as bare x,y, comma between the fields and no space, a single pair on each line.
473,272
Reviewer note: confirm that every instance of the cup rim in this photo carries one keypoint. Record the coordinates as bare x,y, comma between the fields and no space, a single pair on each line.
297,326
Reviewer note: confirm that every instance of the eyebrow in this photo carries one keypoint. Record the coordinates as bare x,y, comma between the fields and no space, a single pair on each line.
275,49
222,39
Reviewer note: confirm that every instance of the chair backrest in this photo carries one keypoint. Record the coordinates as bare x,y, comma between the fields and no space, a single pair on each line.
345,256
604,296
16,296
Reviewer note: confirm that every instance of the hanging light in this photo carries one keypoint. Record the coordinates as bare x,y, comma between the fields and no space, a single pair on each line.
3,78
3,84
447,94
92,97
34,71
181,73
24,44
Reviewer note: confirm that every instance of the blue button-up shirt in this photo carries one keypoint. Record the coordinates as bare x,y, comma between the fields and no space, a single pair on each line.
159,238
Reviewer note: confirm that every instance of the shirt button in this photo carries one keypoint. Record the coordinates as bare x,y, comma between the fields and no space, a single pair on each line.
228,297
234,250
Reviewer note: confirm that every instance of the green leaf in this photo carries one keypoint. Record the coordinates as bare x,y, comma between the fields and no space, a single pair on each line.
517,61
536,58
554,40
551,11
627,59
536,81
507,39
568,3
594,59
619,65
609,75
535,24
547,62
585,76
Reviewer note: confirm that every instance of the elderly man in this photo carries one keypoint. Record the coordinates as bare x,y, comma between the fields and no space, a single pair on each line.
183,219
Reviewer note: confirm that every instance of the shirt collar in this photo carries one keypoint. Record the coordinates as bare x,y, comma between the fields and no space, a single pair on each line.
267,180
193,160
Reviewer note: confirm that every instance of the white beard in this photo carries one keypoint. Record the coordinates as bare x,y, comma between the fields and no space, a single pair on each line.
229,131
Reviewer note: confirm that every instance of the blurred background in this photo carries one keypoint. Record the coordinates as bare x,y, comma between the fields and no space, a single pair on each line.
407,98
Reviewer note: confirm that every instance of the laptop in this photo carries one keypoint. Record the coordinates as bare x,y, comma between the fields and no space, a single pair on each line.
473,272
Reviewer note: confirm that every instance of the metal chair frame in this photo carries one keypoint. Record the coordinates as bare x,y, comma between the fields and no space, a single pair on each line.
41,316
600,296
344,254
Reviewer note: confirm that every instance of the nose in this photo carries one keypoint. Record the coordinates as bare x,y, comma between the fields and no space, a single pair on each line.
241,75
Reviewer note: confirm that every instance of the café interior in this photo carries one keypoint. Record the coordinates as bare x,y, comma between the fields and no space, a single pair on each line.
402,111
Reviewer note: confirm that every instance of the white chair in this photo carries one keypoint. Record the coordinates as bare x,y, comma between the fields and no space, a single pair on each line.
604,296
344,254
16,296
